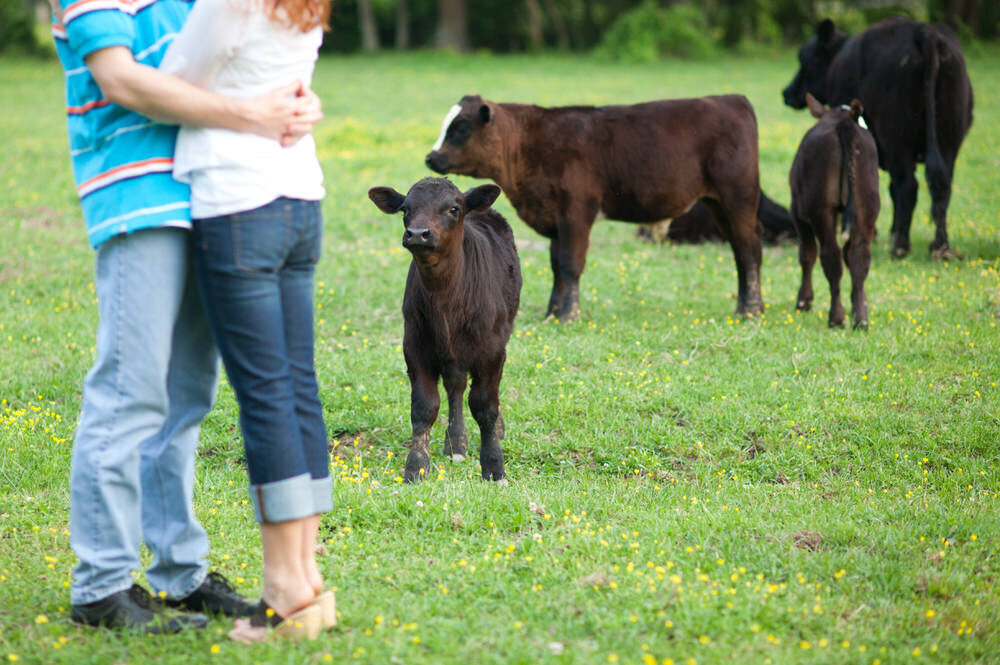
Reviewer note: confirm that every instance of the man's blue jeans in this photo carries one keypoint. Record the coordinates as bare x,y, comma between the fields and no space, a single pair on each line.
153,380
255,271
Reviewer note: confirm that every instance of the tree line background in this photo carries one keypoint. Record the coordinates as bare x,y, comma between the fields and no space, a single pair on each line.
631,30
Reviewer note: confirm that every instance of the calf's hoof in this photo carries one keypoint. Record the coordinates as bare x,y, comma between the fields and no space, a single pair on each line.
861,325
803,306
457,457
500,477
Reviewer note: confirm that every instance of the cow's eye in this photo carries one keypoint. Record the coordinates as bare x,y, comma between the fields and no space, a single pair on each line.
459,132
453,211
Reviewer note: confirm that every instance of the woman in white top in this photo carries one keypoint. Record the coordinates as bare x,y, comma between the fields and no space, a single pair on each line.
257,232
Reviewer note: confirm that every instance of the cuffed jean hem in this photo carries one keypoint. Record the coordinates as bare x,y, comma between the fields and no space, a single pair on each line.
283,500
322,494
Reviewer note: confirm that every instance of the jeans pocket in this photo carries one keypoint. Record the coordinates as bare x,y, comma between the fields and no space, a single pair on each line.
261,238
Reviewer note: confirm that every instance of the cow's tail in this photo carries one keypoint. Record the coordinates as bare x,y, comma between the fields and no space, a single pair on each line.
938,177
845,135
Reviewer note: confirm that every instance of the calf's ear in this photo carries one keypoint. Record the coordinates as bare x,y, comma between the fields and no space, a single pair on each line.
815,107
387,199
856,108
482,197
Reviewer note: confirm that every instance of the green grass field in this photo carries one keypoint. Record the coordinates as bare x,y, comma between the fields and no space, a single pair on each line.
685,487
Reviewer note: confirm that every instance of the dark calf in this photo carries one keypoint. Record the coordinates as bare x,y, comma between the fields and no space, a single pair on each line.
836,167
462,294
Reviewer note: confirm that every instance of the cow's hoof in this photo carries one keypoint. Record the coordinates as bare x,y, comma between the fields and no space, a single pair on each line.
861,325
803,306
458,457
900,252
946,253
835,323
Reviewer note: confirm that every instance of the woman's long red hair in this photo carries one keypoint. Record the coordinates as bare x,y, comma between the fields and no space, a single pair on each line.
302,14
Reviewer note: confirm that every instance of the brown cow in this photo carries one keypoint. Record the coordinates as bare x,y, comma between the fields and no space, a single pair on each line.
835,168
560,166
462,294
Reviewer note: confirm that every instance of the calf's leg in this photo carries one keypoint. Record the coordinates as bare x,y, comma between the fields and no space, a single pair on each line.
424,404
831,259
738,218
558,285
484,402
807,259
858,256
456,440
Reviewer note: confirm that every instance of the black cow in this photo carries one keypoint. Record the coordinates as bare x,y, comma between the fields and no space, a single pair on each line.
836,167
917,98
699,224
559,167
462,294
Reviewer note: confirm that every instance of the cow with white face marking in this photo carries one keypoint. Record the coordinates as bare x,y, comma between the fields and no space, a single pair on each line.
559,167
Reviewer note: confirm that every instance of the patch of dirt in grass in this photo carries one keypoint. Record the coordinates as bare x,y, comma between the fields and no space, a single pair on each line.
755,448
345,444
40,218
807,540
597,578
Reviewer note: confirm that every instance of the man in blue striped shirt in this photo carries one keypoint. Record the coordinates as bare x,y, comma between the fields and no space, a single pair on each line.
155,373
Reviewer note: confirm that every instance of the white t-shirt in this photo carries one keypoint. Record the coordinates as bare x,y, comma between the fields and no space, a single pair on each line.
231,48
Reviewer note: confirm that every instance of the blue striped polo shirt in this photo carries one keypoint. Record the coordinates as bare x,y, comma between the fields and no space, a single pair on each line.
122,161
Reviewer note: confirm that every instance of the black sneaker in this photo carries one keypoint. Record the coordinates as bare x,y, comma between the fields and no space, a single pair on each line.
133,609
215,596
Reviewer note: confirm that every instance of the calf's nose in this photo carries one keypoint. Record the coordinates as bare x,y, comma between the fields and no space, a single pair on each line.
413,237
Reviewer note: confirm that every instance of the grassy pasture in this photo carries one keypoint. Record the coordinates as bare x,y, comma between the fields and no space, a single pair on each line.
685,487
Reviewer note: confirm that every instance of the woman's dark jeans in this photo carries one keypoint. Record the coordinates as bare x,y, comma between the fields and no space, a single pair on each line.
255,272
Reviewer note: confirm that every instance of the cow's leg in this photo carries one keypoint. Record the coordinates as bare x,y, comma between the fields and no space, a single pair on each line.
455,439
903,190
807,259
424,404
558,285
830,257
939,184
484,402
738,219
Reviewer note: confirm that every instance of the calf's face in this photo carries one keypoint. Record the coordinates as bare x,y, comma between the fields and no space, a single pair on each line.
815,57
433,213
469,141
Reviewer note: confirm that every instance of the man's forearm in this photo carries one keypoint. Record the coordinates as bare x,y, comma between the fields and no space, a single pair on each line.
284,114
163,97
